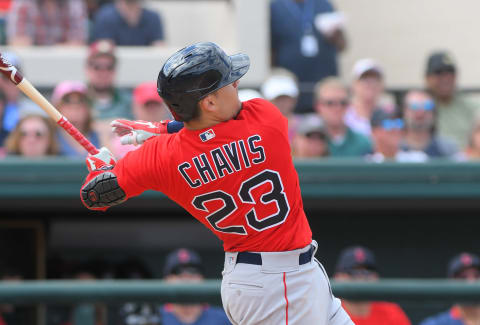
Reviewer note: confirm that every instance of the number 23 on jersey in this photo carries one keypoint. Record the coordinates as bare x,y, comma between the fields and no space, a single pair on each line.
257,222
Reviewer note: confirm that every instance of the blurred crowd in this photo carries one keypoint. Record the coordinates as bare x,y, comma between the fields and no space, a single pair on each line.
327,117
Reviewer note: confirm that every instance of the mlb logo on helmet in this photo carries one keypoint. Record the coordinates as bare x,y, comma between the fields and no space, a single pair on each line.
207,135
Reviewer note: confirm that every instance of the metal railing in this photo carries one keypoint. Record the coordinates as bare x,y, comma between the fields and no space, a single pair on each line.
115,291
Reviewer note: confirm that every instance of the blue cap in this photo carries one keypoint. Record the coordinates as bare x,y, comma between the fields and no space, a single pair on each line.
183,260
461,262
356,257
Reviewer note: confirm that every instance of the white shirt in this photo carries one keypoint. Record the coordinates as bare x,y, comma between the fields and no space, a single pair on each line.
357,123
411,156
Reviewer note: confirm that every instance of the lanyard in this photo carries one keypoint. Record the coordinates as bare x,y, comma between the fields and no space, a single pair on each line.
305,15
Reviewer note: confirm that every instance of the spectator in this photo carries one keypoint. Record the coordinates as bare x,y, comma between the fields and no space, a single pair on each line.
455,112
147,106
33,137
11,314
15,100
71,100
281,89
367,88
305,38
463,267
108,101
246,94
4,9
47,22
133,313
387,133
472,152
331,102
126,22
132,268
87,313
311,139
3,132
185,266
92,7
418,114
358,264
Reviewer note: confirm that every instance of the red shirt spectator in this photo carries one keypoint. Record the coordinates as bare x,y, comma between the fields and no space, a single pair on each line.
4,8
380,313
47,22
358,264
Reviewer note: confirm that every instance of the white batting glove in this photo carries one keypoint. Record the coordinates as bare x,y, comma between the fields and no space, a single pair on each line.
103,159
137,132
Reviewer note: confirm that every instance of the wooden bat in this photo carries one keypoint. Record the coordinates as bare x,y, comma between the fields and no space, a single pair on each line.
28,89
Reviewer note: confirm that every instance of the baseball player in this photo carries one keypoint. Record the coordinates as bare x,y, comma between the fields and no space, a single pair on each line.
229,165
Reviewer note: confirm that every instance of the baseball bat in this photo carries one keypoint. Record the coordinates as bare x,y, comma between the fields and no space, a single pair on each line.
28,89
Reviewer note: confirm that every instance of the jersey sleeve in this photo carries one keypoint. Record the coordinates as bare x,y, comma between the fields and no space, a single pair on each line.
140,170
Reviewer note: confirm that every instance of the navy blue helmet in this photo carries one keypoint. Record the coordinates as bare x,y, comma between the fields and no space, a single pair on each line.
194,72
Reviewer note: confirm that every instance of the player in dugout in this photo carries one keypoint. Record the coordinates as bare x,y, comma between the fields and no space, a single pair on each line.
358,263
230,167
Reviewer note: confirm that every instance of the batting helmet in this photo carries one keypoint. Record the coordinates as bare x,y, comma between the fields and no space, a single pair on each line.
194,72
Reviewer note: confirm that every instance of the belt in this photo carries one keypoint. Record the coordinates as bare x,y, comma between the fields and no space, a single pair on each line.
256,258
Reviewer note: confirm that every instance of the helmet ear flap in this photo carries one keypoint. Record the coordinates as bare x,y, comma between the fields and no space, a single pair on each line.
175,115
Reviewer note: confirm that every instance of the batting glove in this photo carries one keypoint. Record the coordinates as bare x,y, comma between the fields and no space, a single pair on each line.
103,160
137,132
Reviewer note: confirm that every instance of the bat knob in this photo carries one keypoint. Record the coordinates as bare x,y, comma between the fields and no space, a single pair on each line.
10,71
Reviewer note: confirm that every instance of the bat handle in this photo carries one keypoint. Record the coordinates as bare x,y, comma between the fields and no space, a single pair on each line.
67,126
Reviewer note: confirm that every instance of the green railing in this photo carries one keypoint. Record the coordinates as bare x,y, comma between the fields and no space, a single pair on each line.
324,179
65,292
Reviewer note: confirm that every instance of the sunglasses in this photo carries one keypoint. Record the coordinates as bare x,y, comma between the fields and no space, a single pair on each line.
338,103
426,105
444,71
37,134
102,67
75,100
316,135
395,124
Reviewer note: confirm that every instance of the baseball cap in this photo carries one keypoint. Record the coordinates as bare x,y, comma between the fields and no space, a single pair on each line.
312,124
356,257
68,87
247,94
440,61
365,65
380,116
102,47
183,260
146,92
280,85
462,261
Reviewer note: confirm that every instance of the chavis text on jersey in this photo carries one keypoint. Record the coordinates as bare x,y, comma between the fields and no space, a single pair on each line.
227,159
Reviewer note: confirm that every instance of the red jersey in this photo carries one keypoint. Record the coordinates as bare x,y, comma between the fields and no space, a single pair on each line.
381,313
237,178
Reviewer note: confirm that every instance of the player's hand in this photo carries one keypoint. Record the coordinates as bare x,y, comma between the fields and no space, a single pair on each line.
104,159
137,132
